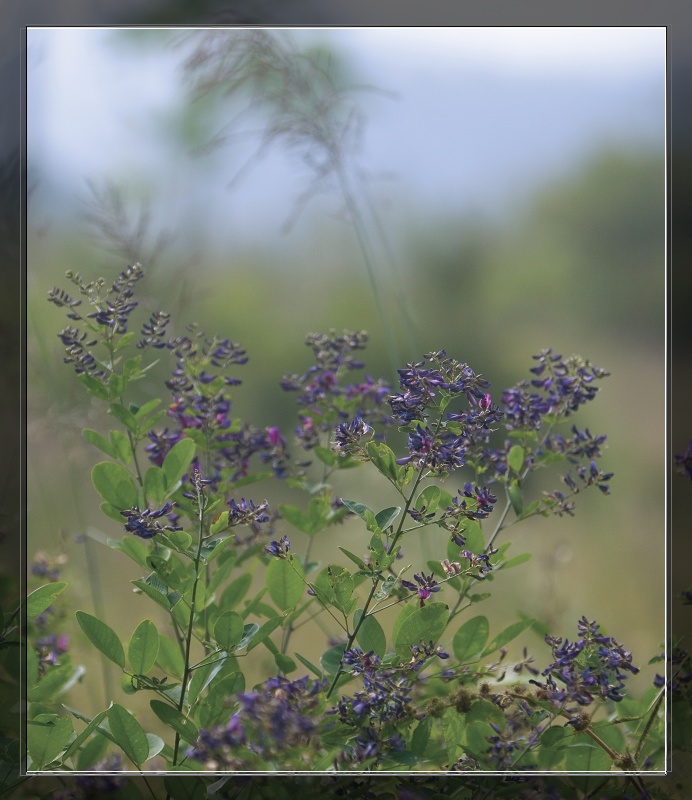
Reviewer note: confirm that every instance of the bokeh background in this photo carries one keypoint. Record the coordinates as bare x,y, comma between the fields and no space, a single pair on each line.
519,177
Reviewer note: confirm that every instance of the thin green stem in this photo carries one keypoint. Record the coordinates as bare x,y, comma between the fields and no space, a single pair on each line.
188,639
352,637
652,717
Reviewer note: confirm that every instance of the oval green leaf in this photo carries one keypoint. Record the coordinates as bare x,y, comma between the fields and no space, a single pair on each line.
103,637
128,734
101,442
174,719
284,582
507,635
228,630
114,484
143,647
424,624
178,460
515,458
330,660
40,599
370,635
155,484
387,516
470,639
47,736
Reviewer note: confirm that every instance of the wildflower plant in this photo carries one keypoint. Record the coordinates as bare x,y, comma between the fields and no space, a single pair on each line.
216,686
224,571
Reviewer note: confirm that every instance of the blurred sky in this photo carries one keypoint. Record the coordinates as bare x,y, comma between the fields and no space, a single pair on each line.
468,117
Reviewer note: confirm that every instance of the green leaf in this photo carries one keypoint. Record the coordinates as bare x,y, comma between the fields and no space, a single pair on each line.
326,456
128,734
124,340
319,511
475,541
174,719
421,736
228,630
102,636
470,639
155,484
516,496
384,460
454,732
235,591
117,385
514,562
112,513
132,547
485,711
507,635
402,616
143,647
219,524
357,508
295,517
55,682
122,446
180,540
304,661
169,658
424,624
178,460
356,559
262,633
284,582
387,516
477,734
77,743
249,631
428,499
47,736
156,746
285,663
94,386
127,418
342,585
370,634
114,484
147,408
92,751
101,442
330,660
515,458
529,510
203,676
40,599
584,755
552,737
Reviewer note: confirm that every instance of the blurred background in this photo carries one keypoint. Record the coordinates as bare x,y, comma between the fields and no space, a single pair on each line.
513,187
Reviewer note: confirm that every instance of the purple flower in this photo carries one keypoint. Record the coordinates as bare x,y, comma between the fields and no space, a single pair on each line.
144,523
246,512
279,549
593,666
426,586
349,434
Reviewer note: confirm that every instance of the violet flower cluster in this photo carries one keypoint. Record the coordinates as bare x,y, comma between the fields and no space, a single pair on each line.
327,401
440,443
594,666
267,723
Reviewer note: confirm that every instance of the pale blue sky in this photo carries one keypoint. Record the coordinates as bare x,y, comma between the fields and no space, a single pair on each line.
476,115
